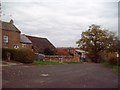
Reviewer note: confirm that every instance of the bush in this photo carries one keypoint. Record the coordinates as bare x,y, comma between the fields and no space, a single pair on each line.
5,51
109,57
112,59
21,55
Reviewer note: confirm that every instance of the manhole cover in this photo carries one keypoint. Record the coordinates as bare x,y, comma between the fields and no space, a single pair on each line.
44,75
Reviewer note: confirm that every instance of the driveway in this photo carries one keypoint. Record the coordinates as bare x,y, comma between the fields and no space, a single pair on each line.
88,75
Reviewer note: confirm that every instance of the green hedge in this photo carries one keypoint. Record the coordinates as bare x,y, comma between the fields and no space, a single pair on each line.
21,55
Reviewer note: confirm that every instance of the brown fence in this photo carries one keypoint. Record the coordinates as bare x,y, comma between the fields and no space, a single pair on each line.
60,58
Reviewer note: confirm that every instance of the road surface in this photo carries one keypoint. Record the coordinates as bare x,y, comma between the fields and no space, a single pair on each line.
87,75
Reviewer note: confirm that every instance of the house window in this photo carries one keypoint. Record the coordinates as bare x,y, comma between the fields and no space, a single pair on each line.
23,45
5,38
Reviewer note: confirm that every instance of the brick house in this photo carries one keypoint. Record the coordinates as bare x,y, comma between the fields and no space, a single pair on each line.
10,35
12,38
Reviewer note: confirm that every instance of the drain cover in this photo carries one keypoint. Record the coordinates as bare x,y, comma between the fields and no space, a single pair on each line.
44,75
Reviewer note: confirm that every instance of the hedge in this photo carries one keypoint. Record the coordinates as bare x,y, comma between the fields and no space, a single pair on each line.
110,57
20,55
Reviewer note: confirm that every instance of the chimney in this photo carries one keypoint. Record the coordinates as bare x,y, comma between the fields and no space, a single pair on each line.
11,21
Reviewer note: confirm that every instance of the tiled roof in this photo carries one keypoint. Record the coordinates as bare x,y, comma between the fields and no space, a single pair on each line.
25,39
40,44
9,26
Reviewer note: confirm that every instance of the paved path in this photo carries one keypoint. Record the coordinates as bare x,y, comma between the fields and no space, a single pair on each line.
87,75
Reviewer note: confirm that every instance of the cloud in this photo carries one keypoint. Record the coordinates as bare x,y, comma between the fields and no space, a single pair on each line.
61,21
60,0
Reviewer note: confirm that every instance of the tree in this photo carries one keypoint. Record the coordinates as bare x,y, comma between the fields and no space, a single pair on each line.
96,40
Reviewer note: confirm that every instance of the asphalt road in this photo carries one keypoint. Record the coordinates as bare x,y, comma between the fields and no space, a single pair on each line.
88,75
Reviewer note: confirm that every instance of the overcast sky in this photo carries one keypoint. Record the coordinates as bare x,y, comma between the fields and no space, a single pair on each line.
61,21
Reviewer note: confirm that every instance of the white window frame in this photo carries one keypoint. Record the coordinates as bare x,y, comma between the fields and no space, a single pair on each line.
5,39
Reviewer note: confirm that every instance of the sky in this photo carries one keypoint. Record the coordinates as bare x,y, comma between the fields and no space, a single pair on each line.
60,21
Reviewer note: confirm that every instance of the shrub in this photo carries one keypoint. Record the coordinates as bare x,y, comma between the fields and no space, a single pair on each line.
112,59
21,55
109,57
5,51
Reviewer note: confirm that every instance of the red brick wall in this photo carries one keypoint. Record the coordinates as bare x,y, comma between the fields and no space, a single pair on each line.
26,46
13,39
62,58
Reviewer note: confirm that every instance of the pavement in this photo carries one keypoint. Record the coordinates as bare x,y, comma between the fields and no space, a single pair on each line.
87,75
5,63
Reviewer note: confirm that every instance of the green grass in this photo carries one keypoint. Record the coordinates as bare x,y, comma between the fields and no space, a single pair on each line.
53,63
72,62
46,63
115,68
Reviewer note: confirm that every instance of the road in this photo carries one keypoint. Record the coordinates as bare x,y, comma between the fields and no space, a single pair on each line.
87,75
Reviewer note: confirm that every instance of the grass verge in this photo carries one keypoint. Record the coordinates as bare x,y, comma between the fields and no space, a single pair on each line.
115,68
46,63
73,62
53,63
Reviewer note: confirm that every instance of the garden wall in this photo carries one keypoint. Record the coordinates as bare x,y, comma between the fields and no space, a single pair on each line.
62,58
